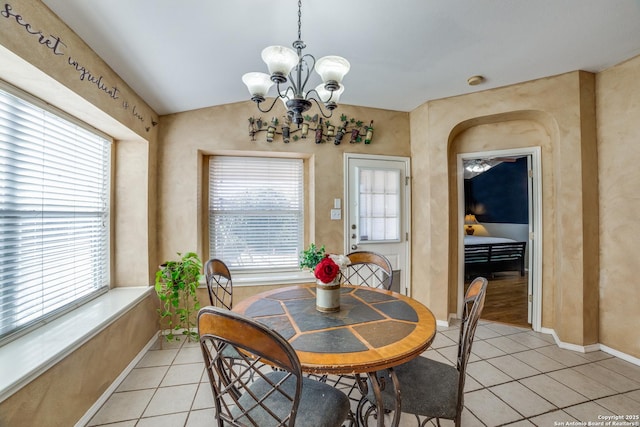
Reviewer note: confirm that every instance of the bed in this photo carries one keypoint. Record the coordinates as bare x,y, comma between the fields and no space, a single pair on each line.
485,255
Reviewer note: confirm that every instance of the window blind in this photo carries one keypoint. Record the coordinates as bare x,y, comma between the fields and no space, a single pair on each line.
54,214
256,212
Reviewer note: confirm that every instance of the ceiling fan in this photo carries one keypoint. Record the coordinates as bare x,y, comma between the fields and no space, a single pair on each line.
504,159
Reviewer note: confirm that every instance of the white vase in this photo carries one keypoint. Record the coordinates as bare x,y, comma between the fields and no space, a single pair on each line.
328,296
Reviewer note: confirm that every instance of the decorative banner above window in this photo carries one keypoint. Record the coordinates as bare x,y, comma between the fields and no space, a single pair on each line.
321,130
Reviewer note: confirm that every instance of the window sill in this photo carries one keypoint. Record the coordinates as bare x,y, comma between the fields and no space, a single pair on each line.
282,278
27,357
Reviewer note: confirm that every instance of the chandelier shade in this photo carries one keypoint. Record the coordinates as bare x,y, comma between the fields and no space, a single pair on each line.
332,69
290,66
280,61
258,84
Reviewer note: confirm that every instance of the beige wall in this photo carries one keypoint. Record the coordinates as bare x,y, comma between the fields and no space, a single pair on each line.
186,138
557,114
618,115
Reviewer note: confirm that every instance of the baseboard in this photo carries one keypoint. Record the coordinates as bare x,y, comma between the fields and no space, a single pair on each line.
569,346
590,348
443,323
178,333
114,385
619,354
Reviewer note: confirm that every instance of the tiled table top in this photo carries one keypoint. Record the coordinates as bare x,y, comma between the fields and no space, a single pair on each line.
374,328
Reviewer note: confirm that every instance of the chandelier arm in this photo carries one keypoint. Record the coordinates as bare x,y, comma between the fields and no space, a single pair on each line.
325,101
294,87
320,107
309,69
292,82
270,107
317,96
284,95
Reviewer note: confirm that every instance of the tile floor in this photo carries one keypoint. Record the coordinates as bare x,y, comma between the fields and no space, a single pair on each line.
516,377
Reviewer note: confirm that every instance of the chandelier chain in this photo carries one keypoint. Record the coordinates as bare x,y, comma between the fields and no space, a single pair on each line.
299,19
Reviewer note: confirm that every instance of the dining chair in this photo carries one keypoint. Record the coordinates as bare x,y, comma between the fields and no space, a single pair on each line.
432,389
219,283
368,269
268,388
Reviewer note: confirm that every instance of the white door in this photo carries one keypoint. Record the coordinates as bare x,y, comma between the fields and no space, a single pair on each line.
377,211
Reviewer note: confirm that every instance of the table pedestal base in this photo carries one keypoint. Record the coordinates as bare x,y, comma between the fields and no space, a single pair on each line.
368,409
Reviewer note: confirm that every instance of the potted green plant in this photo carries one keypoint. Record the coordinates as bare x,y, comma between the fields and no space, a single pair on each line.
311,256
176,285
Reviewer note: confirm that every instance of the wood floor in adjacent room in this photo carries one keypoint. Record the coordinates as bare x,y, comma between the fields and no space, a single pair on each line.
506,300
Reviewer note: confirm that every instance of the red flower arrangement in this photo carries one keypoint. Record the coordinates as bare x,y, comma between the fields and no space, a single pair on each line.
329,267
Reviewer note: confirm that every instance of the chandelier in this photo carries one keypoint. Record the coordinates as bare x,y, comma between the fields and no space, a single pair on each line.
282,62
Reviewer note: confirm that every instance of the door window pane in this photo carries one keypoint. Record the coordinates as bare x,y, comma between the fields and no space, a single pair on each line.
379,201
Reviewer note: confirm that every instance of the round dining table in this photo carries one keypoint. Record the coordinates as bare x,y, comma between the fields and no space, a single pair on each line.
374,329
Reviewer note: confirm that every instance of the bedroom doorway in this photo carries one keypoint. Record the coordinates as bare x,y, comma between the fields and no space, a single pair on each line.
498,209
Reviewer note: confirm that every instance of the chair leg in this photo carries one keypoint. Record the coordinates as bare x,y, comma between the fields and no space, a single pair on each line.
426,420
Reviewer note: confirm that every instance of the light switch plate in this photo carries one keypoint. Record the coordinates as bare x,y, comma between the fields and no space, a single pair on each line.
336,203
336,214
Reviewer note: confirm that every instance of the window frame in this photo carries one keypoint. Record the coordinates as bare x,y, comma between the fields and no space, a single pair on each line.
264,276
108,215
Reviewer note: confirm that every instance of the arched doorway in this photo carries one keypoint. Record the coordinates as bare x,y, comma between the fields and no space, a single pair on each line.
511,138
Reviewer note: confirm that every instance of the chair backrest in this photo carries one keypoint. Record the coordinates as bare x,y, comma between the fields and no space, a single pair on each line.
473,305
368,269
251,393
219,283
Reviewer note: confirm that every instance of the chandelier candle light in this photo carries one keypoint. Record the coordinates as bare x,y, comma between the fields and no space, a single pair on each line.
282,62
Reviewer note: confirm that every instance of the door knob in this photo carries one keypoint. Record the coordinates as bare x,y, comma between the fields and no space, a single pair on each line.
354,247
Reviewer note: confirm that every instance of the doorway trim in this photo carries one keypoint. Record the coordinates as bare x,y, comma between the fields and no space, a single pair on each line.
535,226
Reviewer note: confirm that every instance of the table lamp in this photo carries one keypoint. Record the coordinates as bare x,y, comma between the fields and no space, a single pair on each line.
470,220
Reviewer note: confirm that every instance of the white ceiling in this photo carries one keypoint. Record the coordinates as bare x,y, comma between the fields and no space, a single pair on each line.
183,55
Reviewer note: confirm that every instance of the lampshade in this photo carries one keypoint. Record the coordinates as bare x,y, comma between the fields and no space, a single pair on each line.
280,60
326,95
332,68
257,83
470,219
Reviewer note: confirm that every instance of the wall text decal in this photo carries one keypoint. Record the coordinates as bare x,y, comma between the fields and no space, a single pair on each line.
56,46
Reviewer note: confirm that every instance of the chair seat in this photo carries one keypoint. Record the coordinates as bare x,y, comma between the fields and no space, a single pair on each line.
435,380
320,404
231,352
